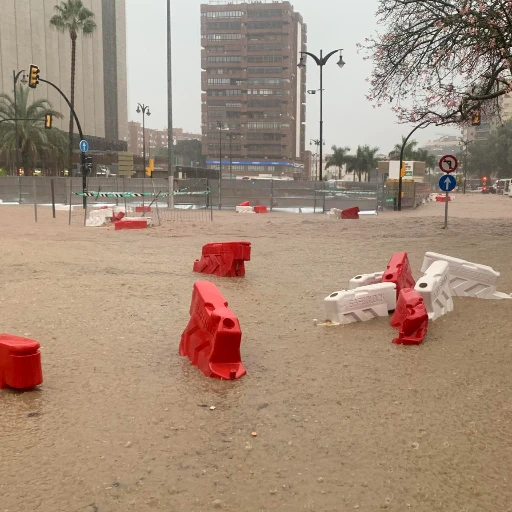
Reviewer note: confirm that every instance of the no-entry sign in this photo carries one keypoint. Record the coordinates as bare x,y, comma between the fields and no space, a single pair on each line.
448,163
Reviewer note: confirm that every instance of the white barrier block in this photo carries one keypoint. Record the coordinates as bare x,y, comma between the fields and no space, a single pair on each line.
366,280
434,288
244,209
468,279
362,304
97,218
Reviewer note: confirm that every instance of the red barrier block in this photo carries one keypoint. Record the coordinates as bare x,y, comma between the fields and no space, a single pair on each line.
118,216
131,224
441,198
410,317
142,209
245,203
350,213
212,338
399,272
224,259
20,363
260,209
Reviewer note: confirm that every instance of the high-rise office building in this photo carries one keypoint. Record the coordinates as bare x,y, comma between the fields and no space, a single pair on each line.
101,80
252,87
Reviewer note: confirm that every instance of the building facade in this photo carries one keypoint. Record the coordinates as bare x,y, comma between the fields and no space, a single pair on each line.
254,95
155,139
101,78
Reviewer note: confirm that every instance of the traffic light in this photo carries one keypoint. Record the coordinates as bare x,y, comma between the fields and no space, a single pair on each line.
88,165
151,168
403,171
48,121
33,76
475,117
484,180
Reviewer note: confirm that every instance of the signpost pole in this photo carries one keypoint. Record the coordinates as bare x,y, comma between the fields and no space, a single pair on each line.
446,210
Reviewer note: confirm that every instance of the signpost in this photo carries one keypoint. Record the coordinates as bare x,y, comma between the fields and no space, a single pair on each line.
84,146
447,182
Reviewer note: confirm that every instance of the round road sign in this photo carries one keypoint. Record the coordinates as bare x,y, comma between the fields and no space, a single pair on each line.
448,164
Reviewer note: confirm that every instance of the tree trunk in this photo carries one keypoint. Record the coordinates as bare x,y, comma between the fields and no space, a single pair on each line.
359,175
72,99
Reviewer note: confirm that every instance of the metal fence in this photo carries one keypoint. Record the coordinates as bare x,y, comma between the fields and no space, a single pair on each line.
193,198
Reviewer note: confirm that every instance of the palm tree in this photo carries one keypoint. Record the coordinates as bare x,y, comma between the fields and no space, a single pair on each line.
369,160
423,155
408,150
35,142
338,158
363,161
73,17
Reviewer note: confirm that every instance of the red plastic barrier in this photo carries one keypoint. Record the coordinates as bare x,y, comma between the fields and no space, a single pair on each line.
131,224
212,338
118,216
225,259
260,209
350,213
399,272
410,317
245,203
142,209
441,198
20,363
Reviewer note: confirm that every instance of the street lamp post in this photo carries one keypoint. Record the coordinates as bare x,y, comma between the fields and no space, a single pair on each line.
15,77
145,112
220,126
321,62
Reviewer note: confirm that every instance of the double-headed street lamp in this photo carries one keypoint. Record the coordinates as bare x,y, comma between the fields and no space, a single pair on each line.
321,62
15,78
145,112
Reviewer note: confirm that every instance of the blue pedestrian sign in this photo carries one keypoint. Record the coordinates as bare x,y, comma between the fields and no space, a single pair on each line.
447,183
84,146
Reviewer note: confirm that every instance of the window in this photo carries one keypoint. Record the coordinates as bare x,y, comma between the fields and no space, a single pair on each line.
264,103
261,25
270,47
264,115
264,136
265,58
265,13
265,71
224,37
264,126
223,14
267,81
265,92
224,25
219,81
225,59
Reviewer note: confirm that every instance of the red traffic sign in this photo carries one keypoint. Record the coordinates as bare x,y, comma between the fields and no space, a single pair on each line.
448,164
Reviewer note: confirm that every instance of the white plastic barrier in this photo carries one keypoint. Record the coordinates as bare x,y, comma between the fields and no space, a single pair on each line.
366,280
362,304
97,218
434,288
468,279
244,209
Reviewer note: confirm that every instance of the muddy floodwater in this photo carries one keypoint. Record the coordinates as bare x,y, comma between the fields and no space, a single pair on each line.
345,420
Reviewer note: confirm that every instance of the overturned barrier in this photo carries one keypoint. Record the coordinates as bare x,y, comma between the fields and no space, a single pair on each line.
468,279
213,336
224,259
20,363
132,223
434,288
350,213
361,304
365,280
260,209
399,272
410,318
244,209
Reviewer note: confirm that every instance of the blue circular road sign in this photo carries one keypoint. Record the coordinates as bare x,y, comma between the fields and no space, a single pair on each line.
447,183
84,146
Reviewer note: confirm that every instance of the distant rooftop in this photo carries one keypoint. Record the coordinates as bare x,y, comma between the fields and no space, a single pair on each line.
237,2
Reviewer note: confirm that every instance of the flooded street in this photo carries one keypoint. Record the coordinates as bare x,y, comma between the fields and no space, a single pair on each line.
345,420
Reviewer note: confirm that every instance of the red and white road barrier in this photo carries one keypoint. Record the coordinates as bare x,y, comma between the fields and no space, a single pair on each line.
365,280
434,288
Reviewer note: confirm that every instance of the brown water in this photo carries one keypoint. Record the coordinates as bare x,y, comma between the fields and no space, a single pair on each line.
345,420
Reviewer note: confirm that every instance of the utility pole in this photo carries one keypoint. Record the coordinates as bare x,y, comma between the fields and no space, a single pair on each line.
170,137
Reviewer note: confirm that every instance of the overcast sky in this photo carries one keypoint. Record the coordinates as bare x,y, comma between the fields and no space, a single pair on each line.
349,118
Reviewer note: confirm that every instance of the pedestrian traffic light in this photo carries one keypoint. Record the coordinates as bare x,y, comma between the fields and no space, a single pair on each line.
33,76
475,117
88,165
48,121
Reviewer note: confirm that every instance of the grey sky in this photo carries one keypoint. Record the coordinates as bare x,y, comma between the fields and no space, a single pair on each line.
349,118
